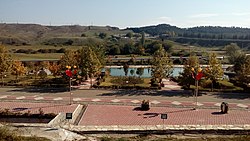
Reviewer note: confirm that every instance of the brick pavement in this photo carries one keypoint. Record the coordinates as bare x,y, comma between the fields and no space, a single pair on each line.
110,115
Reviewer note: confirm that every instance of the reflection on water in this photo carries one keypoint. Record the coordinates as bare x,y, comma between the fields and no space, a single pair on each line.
146,72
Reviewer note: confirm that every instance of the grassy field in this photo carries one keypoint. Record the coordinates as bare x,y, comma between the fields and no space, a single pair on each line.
42,56
24,56
37,47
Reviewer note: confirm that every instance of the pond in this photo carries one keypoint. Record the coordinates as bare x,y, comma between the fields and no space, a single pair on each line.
146,72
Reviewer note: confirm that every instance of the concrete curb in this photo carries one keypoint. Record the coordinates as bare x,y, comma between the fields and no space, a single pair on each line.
60,119
245,127
163,129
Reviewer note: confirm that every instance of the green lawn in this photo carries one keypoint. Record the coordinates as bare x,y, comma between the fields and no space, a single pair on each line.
109,83
42,56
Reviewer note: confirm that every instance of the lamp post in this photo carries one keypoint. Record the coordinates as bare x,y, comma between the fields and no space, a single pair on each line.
69,74
197,75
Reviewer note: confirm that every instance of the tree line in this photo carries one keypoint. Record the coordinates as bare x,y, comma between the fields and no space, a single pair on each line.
195,34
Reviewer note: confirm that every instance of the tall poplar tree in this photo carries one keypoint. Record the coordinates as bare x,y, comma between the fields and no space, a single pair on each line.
161,65
186,77
214,70
88,62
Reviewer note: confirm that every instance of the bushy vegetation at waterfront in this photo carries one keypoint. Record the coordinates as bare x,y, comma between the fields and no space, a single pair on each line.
9,135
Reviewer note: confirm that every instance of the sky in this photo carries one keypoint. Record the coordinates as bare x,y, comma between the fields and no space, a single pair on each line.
127,13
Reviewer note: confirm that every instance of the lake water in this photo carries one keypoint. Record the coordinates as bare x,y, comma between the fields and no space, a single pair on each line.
146,72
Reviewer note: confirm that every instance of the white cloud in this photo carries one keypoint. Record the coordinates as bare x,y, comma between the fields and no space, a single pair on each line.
241,13
204,15
226,23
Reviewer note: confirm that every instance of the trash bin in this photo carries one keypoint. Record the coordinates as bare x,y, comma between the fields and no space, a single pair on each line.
224,108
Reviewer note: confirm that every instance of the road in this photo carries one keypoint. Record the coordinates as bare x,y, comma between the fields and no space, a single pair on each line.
169,95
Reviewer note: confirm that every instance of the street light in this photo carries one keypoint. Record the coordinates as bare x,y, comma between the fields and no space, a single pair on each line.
69,74
197,75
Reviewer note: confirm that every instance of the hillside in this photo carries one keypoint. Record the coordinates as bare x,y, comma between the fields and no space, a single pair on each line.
25,34
199,32
203,35
208,36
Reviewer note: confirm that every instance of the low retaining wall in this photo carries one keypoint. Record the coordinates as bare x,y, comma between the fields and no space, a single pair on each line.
163,129
60,119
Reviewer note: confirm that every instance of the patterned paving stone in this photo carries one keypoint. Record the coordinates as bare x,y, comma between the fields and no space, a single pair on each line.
58,98
135,101
21,97
115,115
199,104
38,98
96,100
242,105
217,104
155,102
77,99
176,103
115,100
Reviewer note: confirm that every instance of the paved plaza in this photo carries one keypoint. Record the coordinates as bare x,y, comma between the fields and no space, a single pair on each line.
112,110
107,115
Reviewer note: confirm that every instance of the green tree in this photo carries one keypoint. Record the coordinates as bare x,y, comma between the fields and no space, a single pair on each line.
233,51
125,68
161,65
129,35
167,45
103,35
139,71
132,72
214,70
186,77
129,48
42,74
143,38
88,62
239,61
243,73
68,59
5,62
140,50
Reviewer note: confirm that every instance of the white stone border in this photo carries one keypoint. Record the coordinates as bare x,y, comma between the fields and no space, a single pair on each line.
160,127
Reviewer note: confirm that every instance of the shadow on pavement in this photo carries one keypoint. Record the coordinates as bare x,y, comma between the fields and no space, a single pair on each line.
233,95
167,93
217,113
150,115
37,107
40,90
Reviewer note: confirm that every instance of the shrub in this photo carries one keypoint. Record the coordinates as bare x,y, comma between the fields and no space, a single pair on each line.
127,80
42,74
154,83
7,135
225,84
